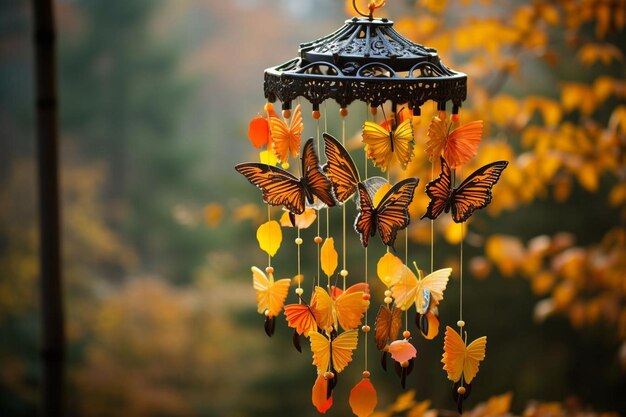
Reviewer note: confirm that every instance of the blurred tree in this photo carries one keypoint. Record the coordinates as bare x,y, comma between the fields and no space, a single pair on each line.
122,101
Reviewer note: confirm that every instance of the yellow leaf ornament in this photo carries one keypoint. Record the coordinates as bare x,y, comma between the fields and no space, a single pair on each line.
270,237
329,257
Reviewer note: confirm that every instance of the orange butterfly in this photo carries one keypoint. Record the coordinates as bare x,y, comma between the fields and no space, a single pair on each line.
458,146
340,169
388,324
301,317
340,308
461,360
382,143
333,354
280,187
474,192
286,139
408,289
390,214
270,294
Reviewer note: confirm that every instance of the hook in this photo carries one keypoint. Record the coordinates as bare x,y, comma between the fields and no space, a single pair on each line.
356,8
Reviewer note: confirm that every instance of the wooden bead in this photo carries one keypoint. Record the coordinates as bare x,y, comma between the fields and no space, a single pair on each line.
269,270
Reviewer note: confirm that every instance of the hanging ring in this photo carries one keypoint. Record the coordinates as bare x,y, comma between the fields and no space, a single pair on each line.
356,8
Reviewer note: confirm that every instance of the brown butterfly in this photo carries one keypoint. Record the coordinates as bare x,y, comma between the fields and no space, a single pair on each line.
390,214
280,187
474,192
388,324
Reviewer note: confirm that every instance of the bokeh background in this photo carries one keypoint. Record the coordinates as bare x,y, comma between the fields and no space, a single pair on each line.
159,230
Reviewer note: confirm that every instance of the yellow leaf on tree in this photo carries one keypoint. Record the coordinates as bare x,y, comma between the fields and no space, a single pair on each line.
386,268
329,257
270,237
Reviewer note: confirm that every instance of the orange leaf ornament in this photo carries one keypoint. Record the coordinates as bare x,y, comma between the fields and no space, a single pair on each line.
286,139
259,131
363,398
387,267
461,360
319,395
270,294
329,257
457,146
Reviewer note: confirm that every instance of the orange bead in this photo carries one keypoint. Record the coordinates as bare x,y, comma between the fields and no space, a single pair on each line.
343,111
365,328
269,107
460,390
366,374
406,334
269,270
455,118
374,110
366,296
318,239
404,364
316,114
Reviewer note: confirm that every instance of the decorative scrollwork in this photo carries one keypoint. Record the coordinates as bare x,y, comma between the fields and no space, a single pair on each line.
365,60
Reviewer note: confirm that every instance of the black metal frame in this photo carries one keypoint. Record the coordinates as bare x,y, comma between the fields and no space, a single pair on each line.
366,60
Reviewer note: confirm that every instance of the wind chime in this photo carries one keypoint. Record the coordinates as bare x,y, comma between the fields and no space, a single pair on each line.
367,61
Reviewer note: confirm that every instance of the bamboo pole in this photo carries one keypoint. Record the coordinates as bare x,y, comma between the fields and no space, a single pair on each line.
51,294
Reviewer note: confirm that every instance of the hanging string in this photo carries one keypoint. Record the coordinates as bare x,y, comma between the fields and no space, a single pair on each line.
269,219
299,244
461,278
343,209
318,220
366,254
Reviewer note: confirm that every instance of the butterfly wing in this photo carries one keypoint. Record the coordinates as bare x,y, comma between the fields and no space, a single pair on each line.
388,324
286,139
453,354
435,283
405,288
279,187
349,309
314,178
462,144
393,210
301,318
365,222
320,346
378,144
340,168
270,295
437,137
475,354
439,191
342,347
403,142
475,192
323,309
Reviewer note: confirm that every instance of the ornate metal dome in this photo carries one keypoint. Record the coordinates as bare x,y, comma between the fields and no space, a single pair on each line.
366,60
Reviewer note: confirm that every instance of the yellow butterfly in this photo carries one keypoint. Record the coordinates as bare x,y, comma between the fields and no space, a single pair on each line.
335,354
270,294
345,309
408,289
460,360
382,144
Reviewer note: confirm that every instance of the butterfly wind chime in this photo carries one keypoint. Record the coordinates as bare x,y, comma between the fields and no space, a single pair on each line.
366,61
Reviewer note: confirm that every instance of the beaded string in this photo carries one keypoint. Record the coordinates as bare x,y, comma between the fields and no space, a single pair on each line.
344,272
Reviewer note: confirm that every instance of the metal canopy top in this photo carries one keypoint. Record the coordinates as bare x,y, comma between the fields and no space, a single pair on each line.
365,60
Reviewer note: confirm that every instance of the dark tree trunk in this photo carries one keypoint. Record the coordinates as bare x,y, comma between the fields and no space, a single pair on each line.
46,106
